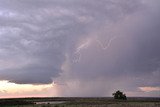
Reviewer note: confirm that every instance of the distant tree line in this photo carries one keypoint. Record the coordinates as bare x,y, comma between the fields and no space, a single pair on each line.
8,102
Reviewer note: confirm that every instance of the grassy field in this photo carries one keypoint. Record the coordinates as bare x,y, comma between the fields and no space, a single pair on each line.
80,102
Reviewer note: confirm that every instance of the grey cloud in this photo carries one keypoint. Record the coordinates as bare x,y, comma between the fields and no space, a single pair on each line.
130,62
36,36
32,74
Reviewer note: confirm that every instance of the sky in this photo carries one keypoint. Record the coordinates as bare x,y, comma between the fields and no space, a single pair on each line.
79,48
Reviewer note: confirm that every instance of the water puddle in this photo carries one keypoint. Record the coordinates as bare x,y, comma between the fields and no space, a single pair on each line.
50,102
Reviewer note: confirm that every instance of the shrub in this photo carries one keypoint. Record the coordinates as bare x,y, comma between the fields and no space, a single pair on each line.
119,95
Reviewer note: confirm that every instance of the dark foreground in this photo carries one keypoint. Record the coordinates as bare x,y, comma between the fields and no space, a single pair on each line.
79,102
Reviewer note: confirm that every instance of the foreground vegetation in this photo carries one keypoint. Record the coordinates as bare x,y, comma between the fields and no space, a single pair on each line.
80,102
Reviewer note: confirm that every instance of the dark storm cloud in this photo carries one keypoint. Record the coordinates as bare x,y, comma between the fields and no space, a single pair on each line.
39,39
36,35
135,64
131,61
32,74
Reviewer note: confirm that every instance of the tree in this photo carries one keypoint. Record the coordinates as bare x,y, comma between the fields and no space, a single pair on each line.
119,95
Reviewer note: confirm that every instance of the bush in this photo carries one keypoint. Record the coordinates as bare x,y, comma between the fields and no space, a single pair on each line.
119,95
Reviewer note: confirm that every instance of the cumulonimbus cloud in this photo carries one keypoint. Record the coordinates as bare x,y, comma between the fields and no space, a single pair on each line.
36,36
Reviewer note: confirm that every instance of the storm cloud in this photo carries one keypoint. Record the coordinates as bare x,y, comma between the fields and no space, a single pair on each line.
94,46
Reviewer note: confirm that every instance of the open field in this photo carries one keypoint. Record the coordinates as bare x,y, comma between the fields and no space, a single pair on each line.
79,102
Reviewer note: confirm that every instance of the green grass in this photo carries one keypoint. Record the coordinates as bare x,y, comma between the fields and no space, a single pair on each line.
88,102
